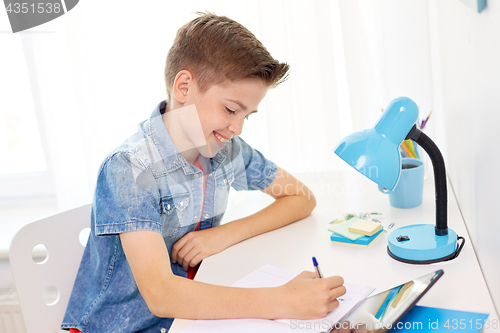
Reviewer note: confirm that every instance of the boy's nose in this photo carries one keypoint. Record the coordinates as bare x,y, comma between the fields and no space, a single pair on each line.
236,126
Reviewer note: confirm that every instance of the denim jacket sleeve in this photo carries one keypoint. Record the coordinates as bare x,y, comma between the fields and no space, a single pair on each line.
127,196
252,170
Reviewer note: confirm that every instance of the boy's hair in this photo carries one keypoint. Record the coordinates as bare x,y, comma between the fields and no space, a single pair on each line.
215,48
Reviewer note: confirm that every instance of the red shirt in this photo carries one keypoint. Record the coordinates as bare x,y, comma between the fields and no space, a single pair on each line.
191,273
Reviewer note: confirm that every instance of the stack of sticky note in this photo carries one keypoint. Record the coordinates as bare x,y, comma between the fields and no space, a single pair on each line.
356,231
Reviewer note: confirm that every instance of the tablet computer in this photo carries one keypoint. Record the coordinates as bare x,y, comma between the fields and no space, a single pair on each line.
383,311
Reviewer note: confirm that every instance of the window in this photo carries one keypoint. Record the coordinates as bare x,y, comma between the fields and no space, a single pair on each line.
23,168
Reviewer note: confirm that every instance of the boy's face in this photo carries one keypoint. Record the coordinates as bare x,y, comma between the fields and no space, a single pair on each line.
222,110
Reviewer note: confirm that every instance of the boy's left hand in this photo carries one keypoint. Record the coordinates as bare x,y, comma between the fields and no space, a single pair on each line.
195,246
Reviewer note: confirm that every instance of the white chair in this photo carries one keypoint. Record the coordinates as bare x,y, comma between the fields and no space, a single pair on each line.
44,287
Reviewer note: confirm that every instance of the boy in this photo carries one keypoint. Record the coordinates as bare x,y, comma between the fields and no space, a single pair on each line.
160,197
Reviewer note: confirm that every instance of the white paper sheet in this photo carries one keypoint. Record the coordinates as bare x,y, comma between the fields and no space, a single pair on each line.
270,276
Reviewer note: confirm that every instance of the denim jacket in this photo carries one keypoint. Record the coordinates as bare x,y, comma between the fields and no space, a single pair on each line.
146,184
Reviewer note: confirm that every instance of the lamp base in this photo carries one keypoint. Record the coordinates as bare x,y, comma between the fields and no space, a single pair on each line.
419,244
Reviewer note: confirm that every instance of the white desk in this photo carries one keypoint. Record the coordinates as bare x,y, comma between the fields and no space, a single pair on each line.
462,286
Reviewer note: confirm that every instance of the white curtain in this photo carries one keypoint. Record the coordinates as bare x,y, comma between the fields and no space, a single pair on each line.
99,71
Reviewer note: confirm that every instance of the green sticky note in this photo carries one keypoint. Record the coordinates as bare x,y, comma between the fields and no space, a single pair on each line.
342,229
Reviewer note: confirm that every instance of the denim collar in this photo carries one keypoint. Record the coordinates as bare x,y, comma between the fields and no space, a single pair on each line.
170,155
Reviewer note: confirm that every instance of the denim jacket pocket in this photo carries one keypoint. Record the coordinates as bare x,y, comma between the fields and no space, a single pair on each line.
175,202
175,208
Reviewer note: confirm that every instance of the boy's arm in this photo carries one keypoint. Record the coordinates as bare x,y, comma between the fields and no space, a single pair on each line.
168,295
294,201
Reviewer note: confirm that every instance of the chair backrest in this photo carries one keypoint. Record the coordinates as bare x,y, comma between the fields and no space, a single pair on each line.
44,287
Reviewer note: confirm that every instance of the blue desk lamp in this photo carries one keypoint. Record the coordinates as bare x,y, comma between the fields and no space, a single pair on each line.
375,153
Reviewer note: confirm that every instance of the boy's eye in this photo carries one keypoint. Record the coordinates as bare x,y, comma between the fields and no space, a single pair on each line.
228,110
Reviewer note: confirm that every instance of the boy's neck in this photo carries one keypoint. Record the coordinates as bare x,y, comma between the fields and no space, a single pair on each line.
175,121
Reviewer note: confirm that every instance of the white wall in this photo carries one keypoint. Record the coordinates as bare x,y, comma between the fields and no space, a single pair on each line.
466,73
446,57
387,55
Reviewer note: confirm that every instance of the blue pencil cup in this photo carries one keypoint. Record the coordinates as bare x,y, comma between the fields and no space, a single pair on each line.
409,190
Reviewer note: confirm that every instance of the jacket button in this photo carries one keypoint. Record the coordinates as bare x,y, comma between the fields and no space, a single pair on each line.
225,181
168,206
195,175
163,330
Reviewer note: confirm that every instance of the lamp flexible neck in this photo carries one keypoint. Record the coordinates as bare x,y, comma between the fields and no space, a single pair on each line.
439,177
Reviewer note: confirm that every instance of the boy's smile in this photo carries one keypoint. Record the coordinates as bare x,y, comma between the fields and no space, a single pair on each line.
220,139
221,110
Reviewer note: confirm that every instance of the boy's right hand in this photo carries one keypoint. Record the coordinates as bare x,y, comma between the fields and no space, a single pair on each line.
309,297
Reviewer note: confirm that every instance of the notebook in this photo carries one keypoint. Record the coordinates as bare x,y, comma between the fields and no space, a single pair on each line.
270,276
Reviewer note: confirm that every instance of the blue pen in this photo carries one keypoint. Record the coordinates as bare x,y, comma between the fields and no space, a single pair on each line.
316,267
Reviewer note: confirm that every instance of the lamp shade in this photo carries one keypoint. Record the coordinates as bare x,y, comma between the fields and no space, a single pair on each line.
375,152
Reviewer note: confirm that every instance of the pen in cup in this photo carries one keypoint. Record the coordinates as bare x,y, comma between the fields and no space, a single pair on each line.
316,268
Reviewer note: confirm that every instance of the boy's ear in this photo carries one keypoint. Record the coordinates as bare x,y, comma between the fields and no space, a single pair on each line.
182,83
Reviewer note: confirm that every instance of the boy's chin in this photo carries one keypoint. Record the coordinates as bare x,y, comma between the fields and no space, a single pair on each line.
211,149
